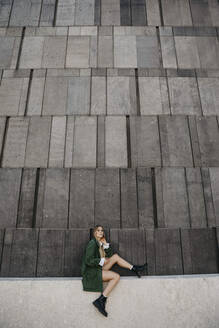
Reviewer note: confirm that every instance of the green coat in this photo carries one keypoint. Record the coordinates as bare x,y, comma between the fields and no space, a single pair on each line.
91,270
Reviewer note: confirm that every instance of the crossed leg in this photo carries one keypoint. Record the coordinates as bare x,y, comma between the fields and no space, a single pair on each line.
111,276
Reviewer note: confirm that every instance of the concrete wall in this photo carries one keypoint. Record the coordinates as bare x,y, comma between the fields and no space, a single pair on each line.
187,301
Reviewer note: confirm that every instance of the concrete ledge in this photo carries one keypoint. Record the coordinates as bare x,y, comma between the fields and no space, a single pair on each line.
187,301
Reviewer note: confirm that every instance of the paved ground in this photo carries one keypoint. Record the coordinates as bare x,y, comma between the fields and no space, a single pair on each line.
109,113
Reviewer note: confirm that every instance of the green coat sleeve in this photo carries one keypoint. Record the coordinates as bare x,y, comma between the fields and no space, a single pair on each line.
109,252
90,258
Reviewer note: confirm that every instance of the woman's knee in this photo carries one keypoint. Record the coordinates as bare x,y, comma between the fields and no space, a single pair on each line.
115,256
116,276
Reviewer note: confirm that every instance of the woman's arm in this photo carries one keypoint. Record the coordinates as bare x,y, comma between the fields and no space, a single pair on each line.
90,258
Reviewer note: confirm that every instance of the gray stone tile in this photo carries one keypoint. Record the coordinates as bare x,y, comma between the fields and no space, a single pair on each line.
172,201
153,12
53,194
145,144
10,180
208,134
121,96
184,96
200,13
25,13
15,143
196,198
84,12
55,96
125,52
207,190
214,12
13,94
209,93
47,12
78,101
32,52
105,51
110,12
65,13
54,52
2,129
107,199
98,95
8,52
35,102
187,52
176,13
116,142
174,131
57,141
5,9
101,141
153,95
129,211
78,50
69,142
81,214
214,176
168,52
38,142
26,199
147,51
85,142
208,49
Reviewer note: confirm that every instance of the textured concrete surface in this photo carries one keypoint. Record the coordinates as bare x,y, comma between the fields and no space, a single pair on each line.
159,302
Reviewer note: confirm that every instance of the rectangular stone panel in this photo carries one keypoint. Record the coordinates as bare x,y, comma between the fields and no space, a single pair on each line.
208,134
8,51
200,252
187,52
26,199
78,52
65,13
38,142
81,207
5,9
107,198
125,12
145,197
138,8
50,261
54,52
2,130
150,251
20,253
153,95
47,12
172,199
209,204
10,180
176,12
13,94
200,13
85,137
115,142
53,195
78,99
129,211
101,141
15,142
32,52
125,51
25,13
145,143
110,12
168,252
75,243
35,102
214,176
209,93
98,95
153,12
168,52
196,198
184,96
121,95
147,51
208,49
105,51
69,141
57,141
84,12
174,131
55,96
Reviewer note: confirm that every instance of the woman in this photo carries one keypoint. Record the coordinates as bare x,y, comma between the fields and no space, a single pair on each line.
96,264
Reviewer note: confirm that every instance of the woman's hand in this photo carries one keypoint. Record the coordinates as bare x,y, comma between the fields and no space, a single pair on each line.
103,240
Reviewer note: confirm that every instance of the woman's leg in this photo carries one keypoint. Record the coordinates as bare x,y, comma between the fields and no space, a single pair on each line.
116,259
113,279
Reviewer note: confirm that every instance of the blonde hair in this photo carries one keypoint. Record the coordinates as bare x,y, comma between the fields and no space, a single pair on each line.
101,249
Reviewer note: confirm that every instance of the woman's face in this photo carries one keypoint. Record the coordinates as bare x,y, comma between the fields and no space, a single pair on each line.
99,233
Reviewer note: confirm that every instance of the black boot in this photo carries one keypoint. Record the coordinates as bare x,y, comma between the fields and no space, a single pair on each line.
99,303
138,268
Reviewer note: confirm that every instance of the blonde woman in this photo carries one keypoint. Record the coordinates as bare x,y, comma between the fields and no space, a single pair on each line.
96,264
